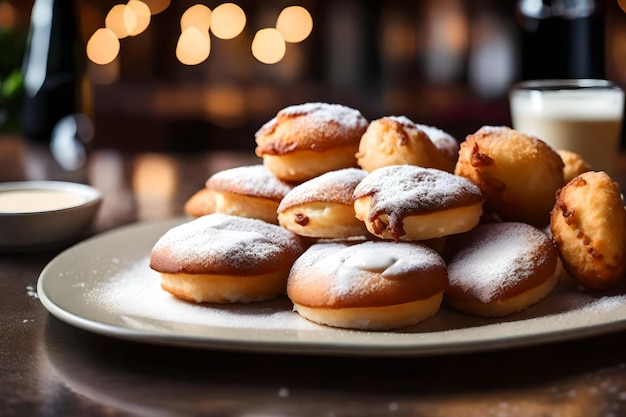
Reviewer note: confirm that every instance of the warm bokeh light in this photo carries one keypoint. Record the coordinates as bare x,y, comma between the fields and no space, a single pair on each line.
8,15
227,21
103,46
157,6
194,46
294,23
121,19
142,14
197,15
154,185
225,104
268,46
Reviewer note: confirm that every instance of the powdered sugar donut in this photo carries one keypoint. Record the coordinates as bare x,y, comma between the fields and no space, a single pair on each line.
498,269
397,140
323,207
370,285
306,140
247,191
405,202
220,258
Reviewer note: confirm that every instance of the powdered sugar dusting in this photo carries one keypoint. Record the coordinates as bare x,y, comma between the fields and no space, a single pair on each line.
218,242
498,256
327,113
334,186
134,294
350,266
442,140
337,117
403,120
401,190
254,180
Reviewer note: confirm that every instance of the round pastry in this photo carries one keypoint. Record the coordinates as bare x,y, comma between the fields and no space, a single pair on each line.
444,141
370,285
396,140
247,191
322,207
588,225
498,269
406,202
306,140
574,165
220,258
518,174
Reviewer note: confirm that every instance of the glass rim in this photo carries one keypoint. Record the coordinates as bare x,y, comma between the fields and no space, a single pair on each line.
564,84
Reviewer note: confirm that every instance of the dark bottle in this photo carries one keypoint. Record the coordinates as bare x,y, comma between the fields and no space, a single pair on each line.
561,38
52,68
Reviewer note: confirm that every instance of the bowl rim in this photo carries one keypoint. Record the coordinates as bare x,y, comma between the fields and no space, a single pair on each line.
92,195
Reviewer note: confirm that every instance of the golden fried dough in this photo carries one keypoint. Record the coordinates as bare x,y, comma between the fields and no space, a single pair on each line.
306,140
588,225
246,191
323,207
368,285
518,173
574,165
498,269
407,202
396,140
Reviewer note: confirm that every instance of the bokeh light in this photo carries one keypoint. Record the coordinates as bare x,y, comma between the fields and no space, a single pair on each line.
294,23
194,46
268,46
197,15
142,14
103,46
227,21
121,19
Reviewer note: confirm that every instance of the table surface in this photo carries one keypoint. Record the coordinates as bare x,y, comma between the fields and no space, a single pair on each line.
49,368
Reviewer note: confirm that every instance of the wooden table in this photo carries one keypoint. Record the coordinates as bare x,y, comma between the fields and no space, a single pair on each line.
49,368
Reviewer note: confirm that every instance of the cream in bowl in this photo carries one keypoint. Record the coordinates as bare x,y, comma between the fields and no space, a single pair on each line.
35,214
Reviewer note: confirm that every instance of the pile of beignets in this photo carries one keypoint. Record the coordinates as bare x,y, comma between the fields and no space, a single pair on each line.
375,224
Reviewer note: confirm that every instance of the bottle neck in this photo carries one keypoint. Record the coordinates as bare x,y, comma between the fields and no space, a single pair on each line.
52,44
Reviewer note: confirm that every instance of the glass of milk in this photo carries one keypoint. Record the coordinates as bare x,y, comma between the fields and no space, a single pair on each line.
582,116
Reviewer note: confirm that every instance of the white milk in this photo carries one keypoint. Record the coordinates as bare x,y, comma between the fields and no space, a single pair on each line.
585,121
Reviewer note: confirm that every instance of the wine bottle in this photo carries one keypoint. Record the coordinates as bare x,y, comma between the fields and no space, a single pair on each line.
52,68
561,38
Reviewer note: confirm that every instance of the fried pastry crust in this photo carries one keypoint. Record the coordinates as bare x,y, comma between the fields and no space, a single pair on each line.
588,225
518,173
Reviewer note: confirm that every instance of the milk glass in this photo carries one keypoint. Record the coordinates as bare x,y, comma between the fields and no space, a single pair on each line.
582,116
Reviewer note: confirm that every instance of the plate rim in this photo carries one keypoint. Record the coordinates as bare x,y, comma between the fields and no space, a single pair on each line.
299,346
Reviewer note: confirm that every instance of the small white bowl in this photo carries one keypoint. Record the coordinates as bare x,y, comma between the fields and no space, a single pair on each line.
40,214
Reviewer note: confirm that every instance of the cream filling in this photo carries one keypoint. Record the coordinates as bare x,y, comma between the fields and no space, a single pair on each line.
430,225
323,220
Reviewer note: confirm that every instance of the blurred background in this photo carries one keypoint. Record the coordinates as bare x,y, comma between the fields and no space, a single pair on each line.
187,76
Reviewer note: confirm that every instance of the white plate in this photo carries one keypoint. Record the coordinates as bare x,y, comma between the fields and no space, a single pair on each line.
104,285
